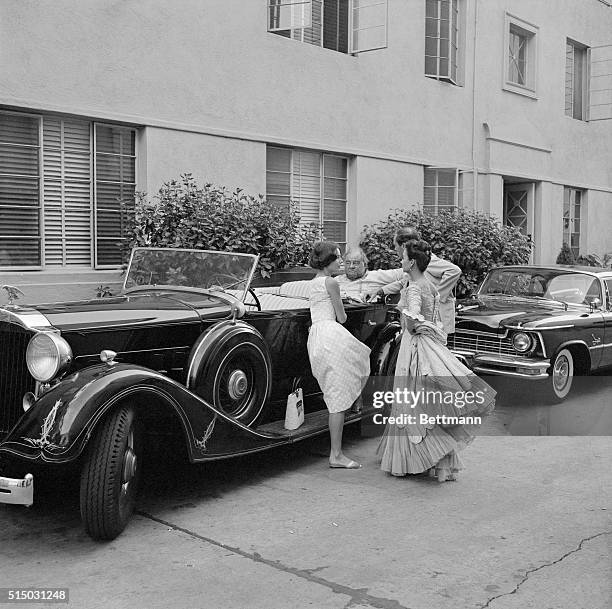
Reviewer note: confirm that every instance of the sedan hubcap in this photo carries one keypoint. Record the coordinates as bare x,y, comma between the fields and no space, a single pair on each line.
237,384
561,373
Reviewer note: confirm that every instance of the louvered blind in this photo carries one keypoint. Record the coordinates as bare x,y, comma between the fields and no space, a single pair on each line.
115,189
67,192
316,182
19,191
307,185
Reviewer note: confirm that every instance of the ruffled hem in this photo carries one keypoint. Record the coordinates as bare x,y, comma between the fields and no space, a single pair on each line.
400,456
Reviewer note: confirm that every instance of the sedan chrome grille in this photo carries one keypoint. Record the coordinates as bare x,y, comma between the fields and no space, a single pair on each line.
481,343
15,380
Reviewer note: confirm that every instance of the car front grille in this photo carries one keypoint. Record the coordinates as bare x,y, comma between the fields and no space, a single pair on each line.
15,380
481,343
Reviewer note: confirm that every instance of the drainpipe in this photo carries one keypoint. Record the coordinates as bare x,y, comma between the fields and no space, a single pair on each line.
474,134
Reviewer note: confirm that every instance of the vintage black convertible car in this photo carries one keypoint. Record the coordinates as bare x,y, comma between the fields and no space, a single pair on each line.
189,347
538,323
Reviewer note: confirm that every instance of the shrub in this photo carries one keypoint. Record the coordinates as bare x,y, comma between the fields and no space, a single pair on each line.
472,240
604,261
185,215
566,256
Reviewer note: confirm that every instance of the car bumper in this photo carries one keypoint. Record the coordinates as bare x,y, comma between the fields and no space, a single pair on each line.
505,365
18,491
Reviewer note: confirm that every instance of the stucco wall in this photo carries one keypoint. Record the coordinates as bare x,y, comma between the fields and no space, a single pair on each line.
227,162
598,225
378,187
192,70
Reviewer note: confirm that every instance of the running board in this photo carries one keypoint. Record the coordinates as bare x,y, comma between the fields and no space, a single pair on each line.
314,422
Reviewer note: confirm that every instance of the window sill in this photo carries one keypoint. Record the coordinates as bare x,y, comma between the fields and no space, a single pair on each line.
519,90
573,118
445,80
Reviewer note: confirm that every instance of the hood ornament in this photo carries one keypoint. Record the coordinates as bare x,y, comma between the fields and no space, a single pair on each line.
12,292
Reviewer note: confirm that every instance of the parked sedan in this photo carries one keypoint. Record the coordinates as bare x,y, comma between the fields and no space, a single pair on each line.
189,349
538,323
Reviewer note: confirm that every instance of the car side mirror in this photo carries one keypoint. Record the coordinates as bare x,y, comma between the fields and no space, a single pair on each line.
595,304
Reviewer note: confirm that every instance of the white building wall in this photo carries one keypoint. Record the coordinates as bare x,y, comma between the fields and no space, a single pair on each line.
210,86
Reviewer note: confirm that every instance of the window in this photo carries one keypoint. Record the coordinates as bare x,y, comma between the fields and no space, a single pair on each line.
441,190
346,26
61,180
520,56
572,202
442,39
315,182
575,80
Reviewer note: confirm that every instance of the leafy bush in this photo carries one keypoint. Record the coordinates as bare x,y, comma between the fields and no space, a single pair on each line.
604,261
472,240
566,256
185,215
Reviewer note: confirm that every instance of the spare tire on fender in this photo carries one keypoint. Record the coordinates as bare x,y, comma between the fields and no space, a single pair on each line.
230,367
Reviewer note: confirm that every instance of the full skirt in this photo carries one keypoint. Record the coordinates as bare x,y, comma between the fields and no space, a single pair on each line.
439,395
339,362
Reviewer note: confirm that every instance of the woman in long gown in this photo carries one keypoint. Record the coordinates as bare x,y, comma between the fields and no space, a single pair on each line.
445,392
339,361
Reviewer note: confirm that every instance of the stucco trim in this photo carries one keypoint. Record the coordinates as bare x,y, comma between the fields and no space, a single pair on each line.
140,121
512,142
99,115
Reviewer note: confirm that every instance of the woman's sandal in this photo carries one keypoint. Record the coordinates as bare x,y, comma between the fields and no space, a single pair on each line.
445,474
350,465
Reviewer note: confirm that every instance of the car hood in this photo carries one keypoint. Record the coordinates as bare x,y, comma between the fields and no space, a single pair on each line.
130,311
492,314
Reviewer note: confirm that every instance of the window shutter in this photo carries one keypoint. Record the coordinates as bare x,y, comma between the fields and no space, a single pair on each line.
368,25
307,185
278,176
115,183
289,14
67,192
334,198
600,85
19,191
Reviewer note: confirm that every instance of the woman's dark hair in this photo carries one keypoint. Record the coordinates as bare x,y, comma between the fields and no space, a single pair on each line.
419,251
405,234
323,253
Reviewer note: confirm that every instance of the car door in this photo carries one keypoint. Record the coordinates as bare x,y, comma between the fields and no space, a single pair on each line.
606,356
365,321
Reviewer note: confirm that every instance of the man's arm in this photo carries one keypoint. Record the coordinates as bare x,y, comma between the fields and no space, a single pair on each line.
444,274
389,282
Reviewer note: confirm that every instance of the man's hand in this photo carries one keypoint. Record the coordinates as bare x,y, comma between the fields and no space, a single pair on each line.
375,296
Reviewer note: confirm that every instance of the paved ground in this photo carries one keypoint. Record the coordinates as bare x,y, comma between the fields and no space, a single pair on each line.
527,526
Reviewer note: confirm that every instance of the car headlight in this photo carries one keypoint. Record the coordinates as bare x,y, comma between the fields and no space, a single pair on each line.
522,342
47,355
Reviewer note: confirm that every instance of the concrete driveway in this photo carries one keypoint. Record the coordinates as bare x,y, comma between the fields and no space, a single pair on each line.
527,525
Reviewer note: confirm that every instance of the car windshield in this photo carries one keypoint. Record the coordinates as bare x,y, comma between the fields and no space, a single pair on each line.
542,284
201,269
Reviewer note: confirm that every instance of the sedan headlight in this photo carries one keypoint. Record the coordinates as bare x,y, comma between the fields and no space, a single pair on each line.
47,355
522,342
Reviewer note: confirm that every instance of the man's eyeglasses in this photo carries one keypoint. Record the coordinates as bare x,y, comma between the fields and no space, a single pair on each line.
353,262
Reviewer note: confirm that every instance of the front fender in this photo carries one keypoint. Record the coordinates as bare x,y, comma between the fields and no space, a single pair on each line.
58,426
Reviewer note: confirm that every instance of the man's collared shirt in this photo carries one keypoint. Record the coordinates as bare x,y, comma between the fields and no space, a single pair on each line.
370,283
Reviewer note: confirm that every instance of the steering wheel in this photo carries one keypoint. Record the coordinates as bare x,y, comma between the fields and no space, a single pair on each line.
256,303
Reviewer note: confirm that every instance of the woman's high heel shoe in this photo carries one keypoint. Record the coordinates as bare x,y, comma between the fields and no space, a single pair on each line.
445,474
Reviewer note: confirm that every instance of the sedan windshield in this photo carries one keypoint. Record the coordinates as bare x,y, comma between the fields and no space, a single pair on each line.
201,269
555,285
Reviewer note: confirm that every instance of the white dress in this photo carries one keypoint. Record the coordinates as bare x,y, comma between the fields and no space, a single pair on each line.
339,361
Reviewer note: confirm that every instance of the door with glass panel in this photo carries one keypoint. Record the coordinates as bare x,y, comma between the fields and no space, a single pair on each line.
518,207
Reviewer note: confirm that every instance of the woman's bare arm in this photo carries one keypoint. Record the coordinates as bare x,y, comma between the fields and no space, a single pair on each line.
333,289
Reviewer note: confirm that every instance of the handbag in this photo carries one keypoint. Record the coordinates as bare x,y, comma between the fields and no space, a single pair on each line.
294,415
